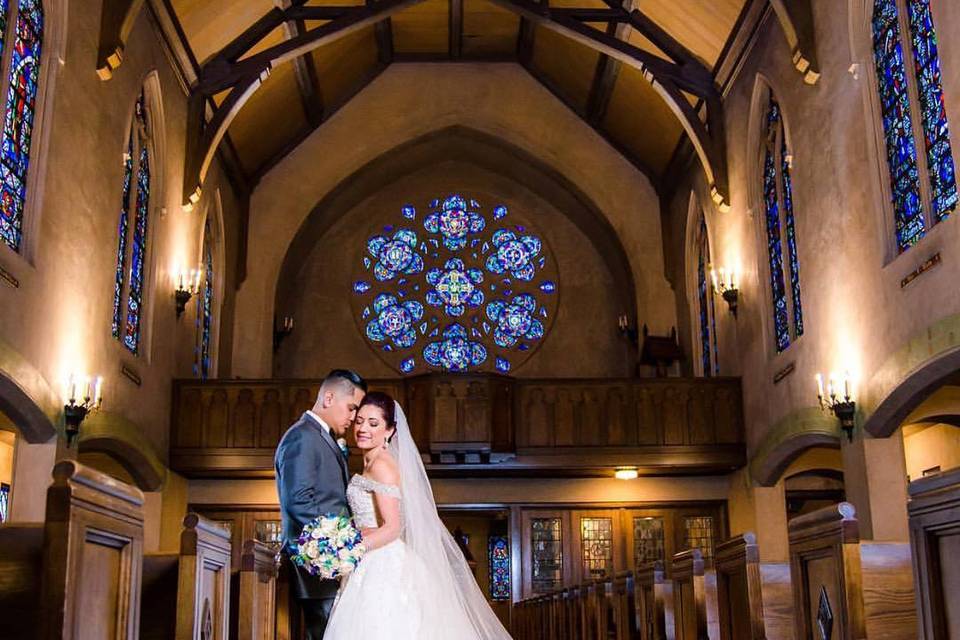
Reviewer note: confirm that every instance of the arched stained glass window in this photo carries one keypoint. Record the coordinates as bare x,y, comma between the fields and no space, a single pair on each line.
498,548
19,111
781,233
912,106
707,312
128,293
455,288
205,308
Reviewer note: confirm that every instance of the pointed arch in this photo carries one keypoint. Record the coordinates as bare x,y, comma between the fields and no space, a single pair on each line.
210,295
772,196
700,290
142,175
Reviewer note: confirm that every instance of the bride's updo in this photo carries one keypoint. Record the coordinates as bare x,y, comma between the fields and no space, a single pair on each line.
387,406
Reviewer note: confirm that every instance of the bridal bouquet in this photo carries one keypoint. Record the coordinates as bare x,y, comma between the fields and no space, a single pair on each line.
329,546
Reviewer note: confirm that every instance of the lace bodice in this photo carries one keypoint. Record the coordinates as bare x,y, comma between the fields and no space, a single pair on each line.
360,496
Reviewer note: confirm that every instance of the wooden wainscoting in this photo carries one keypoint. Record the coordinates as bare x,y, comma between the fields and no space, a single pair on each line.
482,424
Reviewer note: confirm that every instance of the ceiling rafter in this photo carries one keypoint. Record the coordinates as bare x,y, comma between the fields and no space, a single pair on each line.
304,69
456,28
607,71
670,79
116,22
796,19
226,72
383,33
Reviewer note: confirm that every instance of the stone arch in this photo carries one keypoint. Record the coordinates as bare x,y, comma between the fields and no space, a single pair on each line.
486,151
789,439
26,398
695,213
121,439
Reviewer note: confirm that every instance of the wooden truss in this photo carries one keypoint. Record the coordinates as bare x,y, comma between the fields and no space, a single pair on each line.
233,74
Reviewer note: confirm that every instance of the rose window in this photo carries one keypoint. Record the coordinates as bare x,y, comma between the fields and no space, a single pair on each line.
455,289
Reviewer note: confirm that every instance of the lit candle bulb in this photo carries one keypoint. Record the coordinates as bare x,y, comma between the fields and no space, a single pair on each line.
97,391
180,278
830,386
713,276
820,387
72,388
86,389
723,278
846,385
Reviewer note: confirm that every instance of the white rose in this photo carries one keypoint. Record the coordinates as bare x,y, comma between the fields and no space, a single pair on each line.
313,550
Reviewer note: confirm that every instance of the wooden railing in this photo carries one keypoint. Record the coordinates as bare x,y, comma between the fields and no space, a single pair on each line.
231,427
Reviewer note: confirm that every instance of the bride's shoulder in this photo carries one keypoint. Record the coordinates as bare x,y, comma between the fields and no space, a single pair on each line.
384,470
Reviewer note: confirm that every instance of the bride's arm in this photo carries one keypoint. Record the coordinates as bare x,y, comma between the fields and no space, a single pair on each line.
384,471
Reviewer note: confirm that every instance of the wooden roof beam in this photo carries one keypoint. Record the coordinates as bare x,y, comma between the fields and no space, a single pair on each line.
456,28
796,18
383,32
116,22
244,77
605,76
305,71
667,78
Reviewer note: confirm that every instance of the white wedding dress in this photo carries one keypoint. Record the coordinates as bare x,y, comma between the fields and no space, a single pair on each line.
418,586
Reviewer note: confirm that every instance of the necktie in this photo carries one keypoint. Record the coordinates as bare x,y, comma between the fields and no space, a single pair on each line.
343,448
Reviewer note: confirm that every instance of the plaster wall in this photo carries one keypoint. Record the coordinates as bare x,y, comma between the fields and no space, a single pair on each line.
406,102
856,314
935,446
7,444
583,340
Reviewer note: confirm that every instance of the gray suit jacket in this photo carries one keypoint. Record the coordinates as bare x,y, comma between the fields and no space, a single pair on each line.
311,481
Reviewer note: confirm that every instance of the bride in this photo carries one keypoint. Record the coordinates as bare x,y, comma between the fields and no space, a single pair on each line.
413,581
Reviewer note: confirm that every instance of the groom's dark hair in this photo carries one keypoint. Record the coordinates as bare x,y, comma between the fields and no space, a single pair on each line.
345,375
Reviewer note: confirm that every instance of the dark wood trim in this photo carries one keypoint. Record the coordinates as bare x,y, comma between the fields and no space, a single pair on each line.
796,18
414,57
116,21
456,28
305,70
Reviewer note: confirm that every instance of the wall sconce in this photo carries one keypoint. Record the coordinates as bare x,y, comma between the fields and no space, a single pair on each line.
725,285
844,408
626,329
626,473
77,409
281,331
186,291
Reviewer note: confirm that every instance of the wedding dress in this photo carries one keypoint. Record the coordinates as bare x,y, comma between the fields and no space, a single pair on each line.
418,586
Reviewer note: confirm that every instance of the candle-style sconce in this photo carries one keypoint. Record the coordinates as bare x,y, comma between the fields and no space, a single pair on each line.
725,285
186,289
627,329
842,406
281,330
78,407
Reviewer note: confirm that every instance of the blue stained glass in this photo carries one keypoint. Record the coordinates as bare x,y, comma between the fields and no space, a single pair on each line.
408,212
122,234
503,365
499,553
18,122
205,304
131,338
791,232
408,365
361,286
926,58
4,502
708,327
499,212
897,123
455,352
548,286
771,201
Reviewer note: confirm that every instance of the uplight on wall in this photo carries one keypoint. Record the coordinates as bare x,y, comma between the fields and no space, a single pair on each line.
842,406
725,285
626,473
84,396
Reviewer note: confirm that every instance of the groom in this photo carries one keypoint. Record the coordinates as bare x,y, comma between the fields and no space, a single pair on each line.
312,481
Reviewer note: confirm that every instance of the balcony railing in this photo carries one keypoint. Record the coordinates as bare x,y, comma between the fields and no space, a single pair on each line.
482,424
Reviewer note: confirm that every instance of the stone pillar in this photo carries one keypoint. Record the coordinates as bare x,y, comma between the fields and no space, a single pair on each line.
875,480
762,510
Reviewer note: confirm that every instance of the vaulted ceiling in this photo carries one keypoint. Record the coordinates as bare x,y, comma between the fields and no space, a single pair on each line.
615,99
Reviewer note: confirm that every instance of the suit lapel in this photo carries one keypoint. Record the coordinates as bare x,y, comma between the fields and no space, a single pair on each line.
334,447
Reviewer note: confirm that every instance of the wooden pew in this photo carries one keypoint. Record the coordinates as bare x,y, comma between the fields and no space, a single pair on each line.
655,603
934,511
826,573
627,616
739,589
77,575
255,617
188,595
689,595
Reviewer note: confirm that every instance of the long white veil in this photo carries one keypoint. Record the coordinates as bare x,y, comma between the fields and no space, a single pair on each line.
463,611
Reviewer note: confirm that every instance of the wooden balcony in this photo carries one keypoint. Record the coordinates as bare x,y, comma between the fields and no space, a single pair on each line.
483,425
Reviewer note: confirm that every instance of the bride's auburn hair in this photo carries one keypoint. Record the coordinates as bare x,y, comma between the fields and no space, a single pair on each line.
387,406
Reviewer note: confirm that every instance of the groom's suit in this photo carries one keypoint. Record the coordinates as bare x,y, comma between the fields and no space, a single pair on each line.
311,481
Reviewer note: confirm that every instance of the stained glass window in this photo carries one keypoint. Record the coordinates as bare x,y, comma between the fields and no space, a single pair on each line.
205,307
269,532
456,289
498,549
20,107
708,317
647,541
4,502
596,546
130,273
698,534
546,545
779,222
895,86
